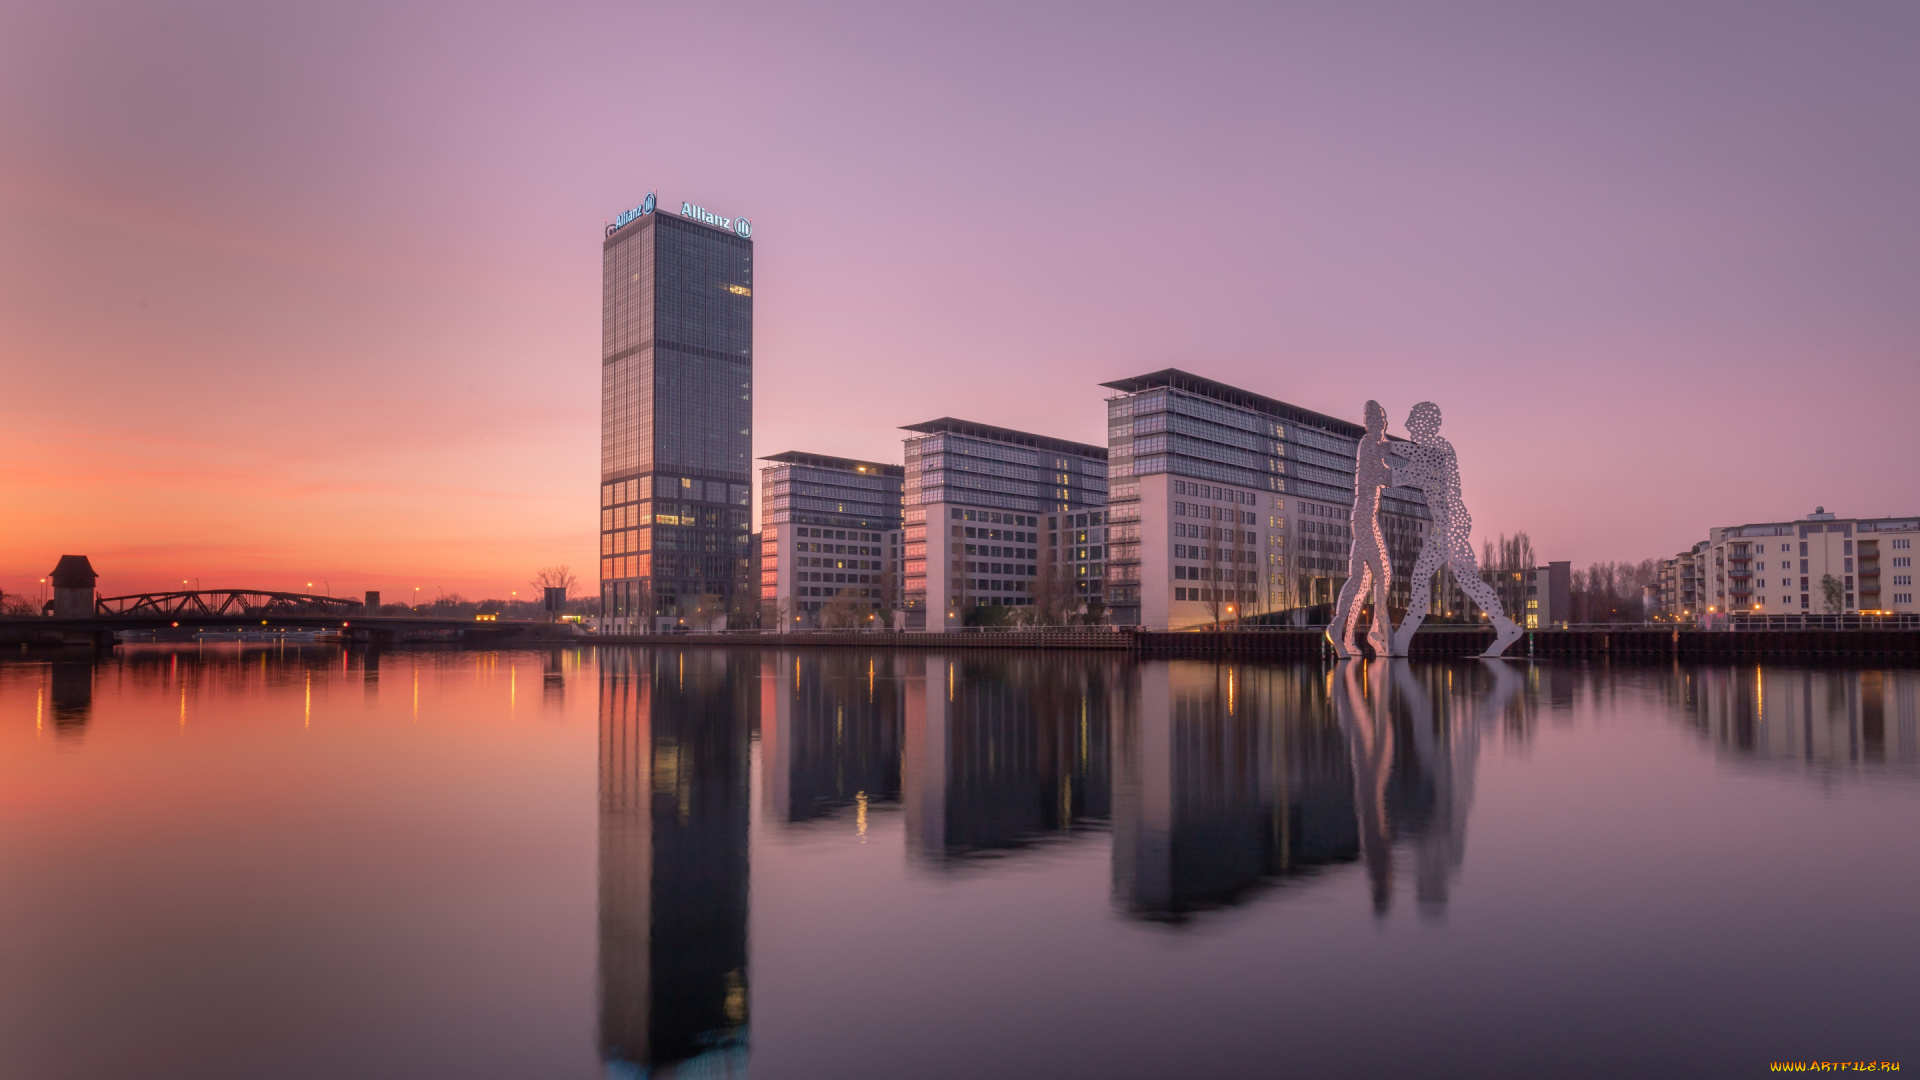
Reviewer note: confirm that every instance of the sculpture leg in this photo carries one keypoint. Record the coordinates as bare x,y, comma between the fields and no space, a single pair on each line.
1467,571
1377,635
1423,570
1346,612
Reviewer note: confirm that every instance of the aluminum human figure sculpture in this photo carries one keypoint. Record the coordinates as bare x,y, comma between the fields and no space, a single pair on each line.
1428,463
1367,558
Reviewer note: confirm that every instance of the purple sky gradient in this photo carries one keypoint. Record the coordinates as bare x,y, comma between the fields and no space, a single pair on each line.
290,292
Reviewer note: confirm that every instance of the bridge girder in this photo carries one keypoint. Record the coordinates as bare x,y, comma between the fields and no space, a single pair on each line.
225,603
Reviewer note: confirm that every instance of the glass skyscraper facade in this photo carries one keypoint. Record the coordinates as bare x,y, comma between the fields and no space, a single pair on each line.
676,421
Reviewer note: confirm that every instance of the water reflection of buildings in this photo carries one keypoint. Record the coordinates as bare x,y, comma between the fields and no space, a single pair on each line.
1230,779
674,790
1826,718
1002,751
71,695
1226,778
830,733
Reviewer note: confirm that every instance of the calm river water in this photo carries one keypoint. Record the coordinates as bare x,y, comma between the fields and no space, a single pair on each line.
260,861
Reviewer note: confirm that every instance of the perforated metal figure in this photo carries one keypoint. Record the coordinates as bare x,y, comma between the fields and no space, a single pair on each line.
1367,558
1428,463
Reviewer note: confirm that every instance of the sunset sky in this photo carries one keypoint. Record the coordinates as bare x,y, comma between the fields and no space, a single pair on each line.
296,293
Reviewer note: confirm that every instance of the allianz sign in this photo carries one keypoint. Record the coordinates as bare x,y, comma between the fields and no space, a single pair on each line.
741,226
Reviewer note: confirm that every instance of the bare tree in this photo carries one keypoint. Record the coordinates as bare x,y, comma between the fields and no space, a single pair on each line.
888,593
842,612
555,577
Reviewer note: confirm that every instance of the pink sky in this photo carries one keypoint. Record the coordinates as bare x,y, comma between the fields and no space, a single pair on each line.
312,294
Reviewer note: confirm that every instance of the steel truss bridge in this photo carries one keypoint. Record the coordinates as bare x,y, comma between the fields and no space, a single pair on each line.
225,604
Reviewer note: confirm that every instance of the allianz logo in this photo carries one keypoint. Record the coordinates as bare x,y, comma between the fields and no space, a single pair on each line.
645,208
740,226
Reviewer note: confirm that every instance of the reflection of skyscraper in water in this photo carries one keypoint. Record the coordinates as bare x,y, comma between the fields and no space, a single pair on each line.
1004,751
674,731
1226,778
830,732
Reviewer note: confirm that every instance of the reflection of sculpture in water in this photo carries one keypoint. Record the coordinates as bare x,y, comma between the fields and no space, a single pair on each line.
1369,729
1423,796
1430,465
1367,558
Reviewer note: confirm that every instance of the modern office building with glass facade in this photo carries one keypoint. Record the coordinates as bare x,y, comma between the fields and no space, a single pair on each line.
1228,505
975,495
829,541
676,419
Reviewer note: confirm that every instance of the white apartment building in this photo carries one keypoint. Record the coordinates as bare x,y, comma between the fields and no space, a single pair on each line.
830,541
974,496
1784,567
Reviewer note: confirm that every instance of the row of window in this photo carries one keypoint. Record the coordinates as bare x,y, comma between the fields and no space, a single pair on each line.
1212,573
1003,552
1213,513
836,549
839,564
1187,551
853,579
1216,596
999,568
1017,535
643,488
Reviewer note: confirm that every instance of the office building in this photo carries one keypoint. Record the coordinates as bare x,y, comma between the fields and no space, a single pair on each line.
1822,564
829,541
974,497
1227,504
676,418
1071,582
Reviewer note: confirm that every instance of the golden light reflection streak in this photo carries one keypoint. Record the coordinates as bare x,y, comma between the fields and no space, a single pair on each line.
40,711
860,816
183,706
513,688
416,693
1760,694
307,720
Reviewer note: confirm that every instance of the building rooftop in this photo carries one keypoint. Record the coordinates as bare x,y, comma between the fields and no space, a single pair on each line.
948,424
828,461
74,572
1175,379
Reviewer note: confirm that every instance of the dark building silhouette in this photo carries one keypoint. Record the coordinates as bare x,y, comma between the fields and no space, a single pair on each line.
73,579
674,743
71,695
676,415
